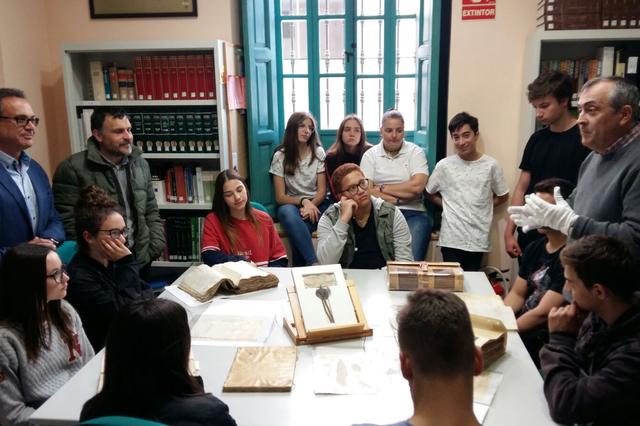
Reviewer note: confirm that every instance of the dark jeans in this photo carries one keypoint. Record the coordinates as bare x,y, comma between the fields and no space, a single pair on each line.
468,260
534,340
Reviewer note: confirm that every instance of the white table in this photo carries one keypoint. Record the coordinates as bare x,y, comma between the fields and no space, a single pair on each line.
519,399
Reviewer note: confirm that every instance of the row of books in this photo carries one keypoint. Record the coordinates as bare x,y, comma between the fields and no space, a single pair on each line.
171,123
184,185
183,236
591,14
178,144
610,62
154,77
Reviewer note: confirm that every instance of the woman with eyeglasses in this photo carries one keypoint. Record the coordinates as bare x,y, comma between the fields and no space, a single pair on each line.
349,147
104,273
42,343
361,231
146,370
300,185
234,230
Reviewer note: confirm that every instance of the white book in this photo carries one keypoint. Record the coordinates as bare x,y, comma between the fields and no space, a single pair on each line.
199,185
97,81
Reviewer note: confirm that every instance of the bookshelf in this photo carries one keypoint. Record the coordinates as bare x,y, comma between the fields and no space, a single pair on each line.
179,125
567,44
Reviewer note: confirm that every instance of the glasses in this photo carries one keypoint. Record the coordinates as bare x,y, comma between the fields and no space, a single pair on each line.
57,275
353,189
115,233
23,120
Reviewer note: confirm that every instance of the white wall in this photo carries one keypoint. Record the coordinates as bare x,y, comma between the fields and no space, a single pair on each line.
486,79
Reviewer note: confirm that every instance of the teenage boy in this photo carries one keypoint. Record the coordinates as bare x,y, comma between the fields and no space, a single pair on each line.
467,185
592,366
538,287
438,357
553,151
361,231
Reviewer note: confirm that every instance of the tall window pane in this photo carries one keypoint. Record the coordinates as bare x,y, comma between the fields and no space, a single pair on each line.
296,95
370,46
294,47
331,34
406,43
331,102
370,7
369,100
331,7
293,7
407,7
406,101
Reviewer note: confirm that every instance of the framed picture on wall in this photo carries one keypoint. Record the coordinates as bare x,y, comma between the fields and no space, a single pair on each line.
107,9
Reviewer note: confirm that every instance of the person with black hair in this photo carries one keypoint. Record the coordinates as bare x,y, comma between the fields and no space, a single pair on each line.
42,343
468,186
591,364
234,230
103,274
538,287
115,165
146,370
554,151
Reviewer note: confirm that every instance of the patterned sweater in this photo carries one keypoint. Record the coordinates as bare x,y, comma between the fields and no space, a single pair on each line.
26,384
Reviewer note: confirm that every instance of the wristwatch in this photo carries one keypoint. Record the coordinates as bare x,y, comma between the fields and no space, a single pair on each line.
397,201
302,201
381,187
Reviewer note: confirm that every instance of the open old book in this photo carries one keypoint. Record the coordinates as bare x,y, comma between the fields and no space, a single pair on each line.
202,282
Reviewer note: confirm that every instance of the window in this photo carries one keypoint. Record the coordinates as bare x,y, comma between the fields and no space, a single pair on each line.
341,56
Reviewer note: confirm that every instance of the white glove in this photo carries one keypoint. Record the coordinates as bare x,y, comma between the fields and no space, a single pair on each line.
558,216
521,216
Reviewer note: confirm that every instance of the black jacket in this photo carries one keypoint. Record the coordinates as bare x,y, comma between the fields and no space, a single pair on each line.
189,410
98,293
596,377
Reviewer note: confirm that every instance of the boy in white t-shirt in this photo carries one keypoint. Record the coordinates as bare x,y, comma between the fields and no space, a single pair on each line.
467,185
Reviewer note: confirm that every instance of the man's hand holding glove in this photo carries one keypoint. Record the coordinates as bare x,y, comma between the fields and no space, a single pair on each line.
537,213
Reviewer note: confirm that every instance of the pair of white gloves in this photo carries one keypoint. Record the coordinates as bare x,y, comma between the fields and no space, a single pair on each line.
537,213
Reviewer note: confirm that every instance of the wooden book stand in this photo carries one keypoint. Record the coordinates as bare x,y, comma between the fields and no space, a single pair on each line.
301,336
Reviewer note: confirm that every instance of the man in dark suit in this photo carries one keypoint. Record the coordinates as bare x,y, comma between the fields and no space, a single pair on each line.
27,212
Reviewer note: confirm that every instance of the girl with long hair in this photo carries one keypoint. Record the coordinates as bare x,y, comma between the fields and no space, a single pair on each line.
146,370
300,185
351,143
42,343
234,230
104,273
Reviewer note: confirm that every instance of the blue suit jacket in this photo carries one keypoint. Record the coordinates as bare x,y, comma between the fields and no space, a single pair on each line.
15,223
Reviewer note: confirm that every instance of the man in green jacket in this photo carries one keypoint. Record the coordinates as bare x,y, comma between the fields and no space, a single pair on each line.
114,164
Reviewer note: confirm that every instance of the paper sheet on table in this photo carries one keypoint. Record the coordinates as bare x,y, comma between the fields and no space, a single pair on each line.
480,410
485,387
347,372
490,306
232,322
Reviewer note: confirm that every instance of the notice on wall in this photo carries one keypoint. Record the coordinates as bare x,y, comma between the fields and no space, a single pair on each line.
478,9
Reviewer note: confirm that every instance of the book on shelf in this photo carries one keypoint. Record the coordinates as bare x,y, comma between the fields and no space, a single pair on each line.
262,369
97,81
592,14
154,77
203,281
